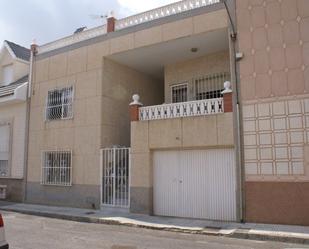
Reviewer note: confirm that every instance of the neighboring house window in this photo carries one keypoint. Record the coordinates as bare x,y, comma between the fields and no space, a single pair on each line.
5,131
7,72
60,104
57,168
210,86
179,93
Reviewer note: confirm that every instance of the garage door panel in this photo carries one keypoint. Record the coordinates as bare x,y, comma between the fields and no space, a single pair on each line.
165,171
201,184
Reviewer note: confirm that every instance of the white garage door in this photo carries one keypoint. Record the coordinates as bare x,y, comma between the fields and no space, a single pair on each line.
195,183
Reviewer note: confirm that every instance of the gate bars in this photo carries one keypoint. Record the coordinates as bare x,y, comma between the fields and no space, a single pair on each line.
115,169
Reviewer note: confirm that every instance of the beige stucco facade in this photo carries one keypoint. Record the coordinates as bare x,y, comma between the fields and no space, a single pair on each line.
103,89
100,115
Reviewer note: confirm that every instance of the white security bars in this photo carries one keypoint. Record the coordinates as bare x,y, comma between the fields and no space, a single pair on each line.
164,11
60,104
115,163
180,93
210,86
5,131
57,168
184,109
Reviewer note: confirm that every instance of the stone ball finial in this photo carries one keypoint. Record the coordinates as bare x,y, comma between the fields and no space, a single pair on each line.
227,87
110,14
136,99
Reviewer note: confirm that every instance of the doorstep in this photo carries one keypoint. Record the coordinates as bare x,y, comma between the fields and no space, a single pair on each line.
282,233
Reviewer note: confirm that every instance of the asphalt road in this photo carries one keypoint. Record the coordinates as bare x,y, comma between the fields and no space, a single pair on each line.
32,232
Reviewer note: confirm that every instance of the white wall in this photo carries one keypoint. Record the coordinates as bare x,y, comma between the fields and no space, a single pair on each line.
20,68
17,115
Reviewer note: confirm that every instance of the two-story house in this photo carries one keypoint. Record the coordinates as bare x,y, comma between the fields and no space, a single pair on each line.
223,130
14,70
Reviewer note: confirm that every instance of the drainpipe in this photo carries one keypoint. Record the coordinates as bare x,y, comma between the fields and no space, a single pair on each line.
237,114
33,51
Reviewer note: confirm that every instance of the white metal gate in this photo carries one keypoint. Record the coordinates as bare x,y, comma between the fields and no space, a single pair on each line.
115,163
195,184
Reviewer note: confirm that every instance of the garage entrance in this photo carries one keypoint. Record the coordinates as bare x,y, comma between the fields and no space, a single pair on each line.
195,184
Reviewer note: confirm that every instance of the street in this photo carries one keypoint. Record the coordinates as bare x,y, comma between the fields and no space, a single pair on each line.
32,232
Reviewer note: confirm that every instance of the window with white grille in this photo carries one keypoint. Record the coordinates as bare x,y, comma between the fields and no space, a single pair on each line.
179,93
210,86
5,132
60,104
57,168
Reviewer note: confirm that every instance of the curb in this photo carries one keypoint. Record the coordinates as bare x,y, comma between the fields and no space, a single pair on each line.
87,219
236,234
245,234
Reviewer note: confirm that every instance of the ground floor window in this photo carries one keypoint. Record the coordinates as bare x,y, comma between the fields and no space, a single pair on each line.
57,168
5,134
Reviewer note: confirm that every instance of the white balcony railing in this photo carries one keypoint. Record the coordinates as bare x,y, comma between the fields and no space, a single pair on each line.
72,39
164,11
144,17
183,109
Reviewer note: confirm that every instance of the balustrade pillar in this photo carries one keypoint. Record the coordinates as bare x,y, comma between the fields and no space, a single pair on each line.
227,97
111,22
134,108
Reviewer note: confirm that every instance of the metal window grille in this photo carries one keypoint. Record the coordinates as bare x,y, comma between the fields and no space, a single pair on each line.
57,168
210,86
60,104
180,93
5,134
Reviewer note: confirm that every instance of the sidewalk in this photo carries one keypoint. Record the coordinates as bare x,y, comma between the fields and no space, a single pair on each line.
283,233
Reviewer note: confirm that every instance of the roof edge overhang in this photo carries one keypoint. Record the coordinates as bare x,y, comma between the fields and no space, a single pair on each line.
11,52
19,95
131,29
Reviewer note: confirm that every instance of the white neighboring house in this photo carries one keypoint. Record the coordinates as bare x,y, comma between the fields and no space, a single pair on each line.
14,70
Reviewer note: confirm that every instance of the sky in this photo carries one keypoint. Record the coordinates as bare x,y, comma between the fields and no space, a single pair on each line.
22,21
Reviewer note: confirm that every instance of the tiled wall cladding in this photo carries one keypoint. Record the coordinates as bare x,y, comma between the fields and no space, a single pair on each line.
274,36
275,138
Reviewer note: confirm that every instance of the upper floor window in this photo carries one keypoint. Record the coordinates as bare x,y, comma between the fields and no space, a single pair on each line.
5,132
7,74
210,86
60,104
180,93
204,87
